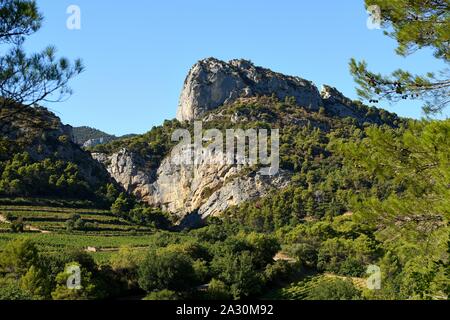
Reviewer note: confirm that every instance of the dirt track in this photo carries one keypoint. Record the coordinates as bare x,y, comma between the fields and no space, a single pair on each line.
26,227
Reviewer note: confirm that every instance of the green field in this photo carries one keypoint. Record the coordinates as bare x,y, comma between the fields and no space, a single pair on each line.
300,290
46,226
54,219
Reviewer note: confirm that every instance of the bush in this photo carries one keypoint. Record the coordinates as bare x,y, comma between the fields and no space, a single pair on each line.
76,223
17,226
87,288
17,257
122,205
163,295
279,271
126,263
345,256
10,290
36,284
238,271
305,253
145,216
168,270
264,248
217,290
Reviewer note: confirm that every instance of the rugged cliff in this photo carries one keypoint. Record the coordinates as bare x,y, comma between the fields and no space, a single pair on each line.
212,83
223,96
207,189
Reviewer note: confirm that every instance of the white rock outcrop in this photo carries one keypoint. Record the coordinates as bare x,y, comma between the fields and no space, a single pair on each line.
212,83
206,188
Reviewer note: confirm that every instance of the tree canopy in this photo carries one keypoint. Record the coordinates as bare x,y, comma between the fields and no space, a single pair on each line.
26,80
415,25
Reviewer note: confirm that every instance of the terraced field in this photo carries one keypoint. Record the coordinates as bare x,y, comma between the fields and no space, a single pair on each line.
54,219
300,290
46,226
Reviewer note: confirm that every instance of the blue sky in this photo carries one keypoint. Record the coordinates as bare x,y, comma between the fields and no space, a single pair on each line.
138,52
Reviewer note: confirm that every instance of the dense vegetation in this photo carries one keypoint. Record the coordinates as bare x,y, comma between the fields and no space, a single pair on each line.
151,147
348,207
235,266
38,159
391,185
41,164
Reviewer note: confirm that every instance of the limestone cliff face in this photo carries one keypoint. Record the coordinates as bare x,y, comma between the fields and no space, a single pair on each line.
209,189
126,169
206,188
212,83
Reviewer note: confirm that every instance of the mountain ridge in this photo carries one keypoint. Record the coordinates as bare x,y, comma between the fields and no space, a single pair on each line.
209,190
143,166
212,83
89,137
40,159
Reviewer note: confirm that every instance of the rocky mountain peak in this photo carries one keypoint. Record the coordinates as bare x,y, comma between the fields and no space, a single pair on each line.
242,63
212,83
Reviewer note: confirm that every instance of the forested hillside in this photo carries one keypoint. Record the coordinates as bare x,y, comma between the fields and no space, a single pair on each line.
39,159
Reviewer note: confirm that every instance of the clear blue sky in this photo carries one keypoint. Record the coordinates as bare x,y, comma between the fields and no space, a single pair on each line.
138,52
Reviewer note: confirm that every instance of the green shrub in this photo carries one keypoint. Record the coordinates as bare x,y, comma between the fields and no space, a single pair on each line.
334,289
168,270
217,290
162,295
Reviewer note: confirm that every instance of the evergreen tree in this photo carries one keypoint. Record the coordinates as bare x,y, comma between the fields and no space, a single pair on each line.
27,80
412,218
414,24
